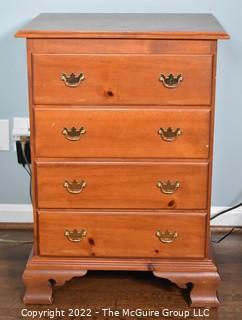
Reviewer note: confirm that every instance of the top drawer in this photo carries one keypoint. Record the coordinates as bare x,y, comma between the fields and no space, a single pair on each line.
118,79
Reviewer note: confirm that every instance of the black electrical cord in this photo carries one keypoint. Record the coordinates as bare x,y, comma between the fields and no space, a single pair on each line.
224,236
221,213
29,173
226,210
29,170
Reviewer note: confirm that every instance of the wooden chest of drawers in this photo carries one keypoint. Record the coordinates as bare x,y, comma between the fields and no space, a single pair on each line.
122,112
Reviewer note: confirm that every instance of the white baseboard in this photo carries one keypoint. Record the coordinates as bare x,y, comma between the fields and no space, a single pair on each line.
22,213
230,219
16,213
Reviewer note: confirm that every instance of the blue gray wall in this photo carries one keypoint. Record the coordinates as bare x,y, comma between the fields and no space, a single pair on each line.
227,177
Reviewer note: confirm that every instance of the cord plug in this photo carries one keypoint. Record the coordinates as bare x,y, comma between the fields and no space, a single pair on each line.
23,145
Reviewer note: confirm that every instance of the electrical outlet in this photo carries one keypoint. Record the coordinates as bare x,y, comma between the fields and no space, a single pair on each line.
20,128
4,135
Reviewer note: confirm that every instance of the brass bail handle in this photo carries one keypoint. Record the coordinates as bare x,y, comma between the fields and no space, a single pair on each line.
168,187
171,81
73,134
75,235
169,134
75,187
72,80
166,236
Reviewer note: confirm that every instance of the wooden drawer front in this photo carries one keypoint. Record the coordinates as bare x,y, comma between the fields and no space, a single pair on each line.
121,46
122,79
122,185
122,234
164,133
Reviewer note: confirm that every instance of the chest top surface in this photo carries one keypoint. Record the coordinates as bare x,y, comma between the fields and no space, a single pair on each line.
124,25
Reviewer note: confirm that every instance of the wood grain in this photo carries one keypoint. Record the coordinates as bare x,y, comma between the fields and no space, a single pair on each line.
121,289
122,133
122,185
32,141
122,57
199,273
118,46
122,235
122,79
124,25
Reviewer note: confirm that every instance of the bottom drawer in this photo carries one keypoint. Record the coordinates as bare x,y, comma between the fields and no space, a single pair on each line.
119,234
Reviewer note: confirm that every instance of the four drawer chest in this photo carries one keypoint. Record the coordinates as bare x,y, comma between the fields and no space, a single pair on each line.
122,117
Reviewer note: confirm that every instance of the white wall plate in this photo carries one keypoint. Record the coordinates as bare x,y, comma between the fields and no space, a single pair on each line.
4,135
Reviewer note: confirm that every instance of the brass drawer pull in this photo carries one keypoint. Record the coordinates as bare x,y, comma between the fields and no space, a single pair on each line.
168,187
75,187
75,236
166,236
72,80
171,81
169,134
73,134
